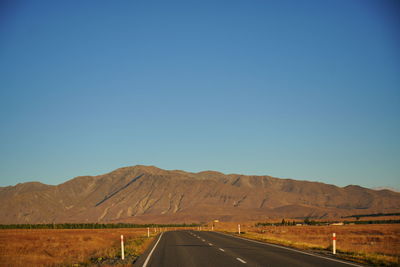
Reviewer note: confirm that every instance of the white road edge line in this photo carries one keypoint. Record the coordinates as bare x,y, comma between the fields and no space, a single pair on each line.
299,251
221,249
151,252
242,261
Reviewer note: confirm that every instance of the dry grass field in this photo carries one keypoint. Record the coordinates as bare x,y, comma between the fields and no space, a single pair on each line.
377,244
66,247
372,244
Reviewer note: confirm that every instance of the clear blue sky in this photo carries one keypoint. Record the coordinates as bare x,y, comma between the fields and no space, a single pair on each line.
301,89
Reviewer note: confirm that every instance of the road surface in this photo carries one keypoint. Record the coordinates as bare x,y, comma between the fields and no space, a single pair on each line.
208,249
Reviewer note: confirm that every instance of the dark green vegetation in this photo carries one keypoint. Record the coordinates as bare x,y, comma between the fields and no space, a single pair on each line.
373,215
313,222
373,222
90,226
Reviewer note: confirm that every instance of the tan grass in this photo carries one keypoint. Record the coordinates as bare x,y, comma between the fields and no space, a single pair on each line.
373,244
49,247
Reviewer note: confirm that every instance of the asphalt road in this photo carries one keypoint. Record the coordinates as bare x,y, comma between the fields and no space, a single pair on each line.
196,248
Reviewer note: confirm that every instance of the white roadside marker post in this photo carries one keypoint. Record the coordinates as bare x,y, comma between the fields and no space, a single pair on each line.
122,248
212,227
148,231
334,243
239,229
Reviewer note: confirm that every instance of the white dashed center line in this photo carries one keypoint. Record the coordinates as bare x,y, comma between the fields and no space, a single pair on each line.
210,244
239,259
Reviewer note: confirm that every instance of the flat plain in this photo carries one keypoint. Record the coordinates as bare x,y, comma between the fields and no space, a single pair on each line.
69,247
375,244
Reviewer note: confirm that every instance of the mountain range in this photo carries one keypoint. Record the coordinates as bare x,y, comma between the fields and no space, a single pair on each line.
147,194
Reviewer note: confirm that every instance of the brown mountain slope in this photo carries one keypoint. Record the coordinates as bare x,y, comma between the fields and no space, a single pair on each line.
149,194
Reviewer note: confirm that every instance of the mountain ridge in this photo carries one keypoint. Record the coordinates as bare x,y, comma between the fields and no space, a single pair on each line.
150,194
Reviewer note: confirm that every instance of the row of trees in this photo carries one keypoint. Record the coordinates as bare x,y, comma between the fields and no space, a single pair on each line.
90,225
307,221
282,223
358,216
374,222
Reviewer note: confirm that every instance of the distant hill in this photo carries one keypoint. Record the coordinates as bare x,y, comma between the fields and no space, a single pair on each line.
146,194
387,188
